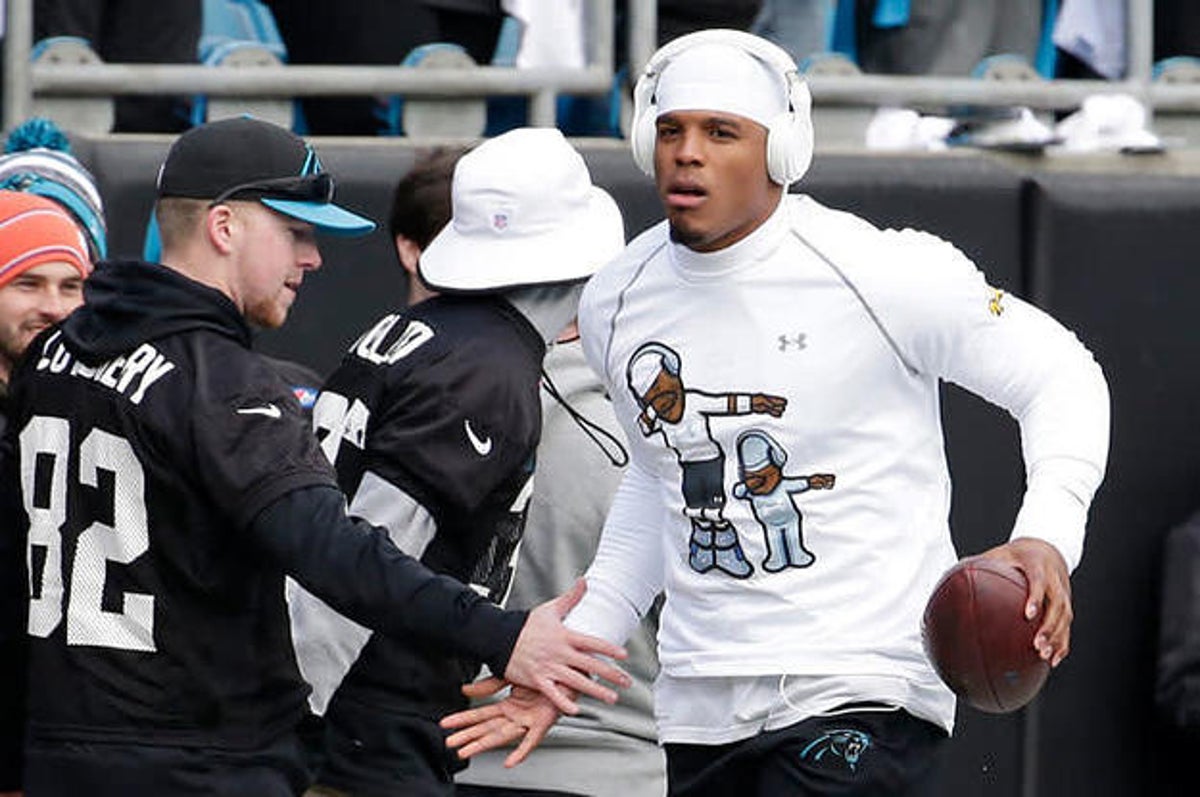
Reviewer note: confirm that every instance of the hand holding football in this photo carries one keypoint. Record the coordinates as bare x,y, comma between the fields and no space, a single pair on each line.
978,638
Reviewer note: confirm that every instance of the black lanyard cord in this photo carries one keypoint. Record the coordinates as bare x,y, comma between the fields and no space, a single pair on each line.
600,436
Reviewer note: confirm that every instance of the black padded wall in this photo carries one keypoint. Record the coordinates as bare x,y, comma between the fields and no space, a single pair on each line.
1115,257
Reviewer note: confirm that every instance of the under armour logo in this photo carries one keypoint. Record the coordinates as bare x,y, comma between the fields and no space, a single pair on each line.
799,341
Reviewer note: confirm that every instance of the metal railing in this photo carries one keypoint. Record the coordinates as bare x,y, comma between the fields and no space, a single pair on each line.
23,80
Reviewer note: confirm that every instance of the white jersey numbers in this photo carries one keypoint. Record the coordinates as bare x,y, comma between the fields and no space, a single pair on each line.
381,347
336,419
45,449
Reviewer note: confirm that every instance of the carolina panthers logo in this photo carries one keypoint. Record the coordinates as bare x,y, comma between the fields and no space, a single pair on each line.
844,744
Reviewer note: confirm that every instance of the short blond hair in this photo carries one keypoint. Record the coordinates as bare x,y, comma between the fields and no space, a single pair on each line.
178,219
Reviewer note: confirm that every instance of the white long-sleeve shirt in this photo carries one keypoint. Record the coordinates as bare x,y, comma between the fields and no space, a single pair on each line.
854,327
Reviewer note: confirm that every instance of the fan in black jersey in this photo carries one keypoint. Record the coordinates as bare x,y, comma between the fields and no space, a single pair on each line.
166,479
432,421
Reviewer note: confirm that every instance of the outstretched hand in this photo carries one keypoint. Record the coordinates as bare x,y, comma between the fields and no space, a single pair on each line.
524,715
548,656
765,404
1049,592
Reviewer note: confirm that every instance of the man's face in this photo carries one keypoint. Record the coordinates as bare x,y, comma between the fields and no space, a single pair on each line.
711,173
32,301
666,397
275,252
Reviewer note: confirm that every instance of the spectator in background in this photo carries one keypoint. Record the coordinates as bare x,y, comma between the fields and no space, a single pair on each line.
801,27
361,32
420,209
379,32
947,37
1177,689
1176,28
43,263
1090,37
38,290
473,24
134,32
677,17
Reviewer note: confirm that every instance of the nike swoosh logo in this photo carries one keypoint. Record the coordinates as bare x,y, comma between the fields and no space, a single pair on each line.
482,445
269,410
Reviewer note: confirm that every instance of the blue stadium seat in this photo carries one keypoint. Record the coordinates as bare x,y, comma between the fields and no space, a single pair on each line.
229,22
240,34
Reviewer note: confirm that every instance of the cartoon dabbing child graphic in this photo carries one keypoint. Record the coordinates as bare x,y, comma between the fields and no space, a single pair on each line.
681,417
769,491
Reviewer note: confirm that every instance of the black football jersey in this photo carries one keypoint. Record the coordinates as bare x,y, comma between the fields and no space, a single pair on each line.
144,451
441,401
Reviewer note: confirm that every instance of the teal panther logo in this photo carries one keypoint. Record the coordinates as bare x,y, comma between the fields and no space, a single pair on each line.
847,745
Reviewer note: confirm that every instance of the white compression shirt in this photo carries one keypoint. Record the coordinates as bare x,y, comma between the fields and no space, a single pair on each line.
854,327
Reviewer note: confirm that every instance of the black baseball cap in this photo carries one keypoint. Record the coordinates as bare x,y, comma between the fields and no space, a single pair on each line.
246,158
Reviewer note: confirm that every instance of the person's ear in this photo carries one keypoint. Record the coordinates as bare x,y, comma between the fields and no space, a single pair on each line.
409,254
221,226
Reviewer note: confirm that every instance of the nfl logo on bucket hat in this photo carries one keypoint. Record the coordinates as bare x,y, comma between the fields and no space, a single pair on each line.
523,212
248,159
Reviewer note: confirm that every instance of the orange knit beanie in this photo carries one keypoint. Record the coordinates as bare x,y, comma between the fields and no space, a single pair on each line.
35,230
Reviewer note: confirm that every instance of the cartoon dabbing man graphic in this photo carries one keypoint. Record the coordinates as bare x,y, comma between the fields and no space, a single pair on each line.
769,491
681,417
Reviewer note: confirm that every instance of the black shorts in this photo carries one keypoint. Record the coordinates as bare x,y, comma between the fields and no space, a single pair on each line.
856,754
704,483
71,769
372,750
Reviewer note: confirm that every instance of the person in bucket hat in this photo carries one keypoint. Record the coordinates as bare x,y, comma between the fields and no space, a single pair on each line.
433,420
165,481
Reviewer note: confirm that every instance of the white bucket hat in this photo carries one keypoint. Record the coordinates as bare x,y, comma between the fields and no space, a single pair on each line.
523,212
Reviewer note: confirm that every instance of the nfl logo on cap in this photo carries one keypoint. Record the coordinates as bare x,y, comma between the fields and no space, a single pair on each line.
500,221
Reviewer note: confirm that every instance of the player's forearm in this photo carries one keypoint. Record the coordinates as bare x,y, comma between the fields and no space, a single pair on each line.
355,568
1065,443
627,572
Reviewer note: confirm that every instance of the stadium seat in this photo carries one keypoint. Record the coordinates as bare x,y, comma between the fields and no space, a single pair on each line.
1178,69
423,117
93,115
240,34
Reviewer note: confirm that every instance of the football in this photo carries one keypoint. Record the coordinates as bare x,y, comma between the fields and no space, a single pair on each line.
978,639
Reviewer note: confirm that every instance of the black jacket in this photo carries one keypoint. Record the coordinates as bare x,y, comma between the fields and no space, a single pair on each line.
441,403
172,481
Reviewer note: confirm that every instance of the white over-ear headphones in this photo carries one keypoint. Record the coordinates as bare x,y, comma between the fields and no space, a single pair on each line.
789,136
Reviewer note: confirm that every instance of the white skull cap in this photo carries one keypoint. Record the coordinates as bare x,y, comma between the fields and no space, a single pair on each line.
721,77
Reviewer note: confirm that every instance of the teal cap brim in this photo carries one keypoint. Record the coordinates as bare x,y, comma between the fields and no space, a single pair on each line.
326,217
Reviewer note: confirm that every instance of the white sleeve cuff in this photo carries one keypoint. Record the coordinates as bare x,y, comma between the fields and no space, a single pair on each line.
1055,508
